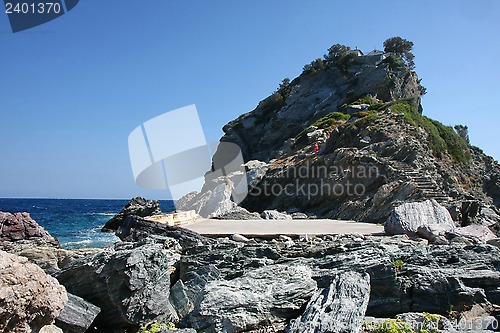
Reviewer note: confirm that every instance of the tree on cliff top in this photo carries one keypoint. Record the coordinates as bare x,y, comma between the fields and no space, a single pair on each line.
336,52
401,48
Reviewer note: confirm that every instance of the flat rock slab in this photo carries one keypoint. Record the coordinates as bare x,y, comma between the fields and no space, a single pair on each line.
251,228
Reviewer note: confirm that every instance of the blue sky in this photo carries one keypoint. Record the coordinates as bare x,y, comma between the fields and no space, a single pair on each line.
72,90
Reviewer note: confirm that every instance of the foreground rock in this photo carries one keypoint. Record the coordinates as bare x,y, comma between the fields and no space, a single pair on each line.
339,308
20,226
268,295
431,278
130,283
29,298
223,285
77,315
137,206
408,217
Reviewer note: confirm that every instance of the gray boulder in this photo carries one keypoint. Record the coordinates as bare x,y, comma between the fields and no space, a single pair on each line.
474,232
339,308
433,232
274,215
130,283
137,206
77,315
259,297
299,216
408,217
239,213
213,200
239,238
255,171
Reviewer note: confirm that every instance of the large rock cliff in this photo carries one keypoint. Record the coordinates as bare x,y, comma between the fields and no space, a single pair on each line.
352,143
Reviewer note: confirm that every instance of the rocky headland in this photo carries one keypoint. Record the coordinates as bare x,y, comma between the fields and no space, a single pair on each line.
349,122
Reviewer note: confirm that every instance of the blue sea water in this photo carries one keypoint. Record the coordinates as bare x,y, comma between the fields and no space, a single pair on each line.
76,223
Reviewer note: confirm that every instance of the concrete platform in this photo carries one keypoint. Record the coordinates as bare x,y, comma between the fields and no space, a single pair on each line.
271,228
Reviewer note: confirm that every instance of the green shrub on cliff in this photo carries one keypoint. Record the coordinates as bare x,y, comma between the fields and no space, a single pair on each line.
314,66
270,104
326,121
391,326
365,118
331,119
441,138
155,327
364,100
392,61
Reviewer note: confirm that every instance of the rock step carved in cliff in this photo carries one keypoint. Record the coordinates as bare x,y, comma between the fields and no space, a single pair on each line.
427,186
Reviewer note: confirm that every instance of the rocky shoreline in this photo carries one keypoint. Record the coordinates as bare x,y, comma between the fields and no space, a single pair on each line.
349,283
351,124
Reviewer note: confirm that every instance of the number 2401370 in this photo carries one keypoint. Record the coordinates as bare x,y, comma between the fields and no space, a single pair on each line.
33,8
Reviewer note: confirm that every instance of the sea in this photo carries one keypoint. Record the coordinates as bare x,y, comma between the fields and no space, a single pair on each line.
76,223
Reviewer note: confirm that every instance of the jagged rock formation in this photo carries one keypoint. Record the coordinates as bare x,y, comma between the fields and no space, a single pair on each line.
20,226
251,301
137,206
29,298
353,144
162,273
130,283
339,308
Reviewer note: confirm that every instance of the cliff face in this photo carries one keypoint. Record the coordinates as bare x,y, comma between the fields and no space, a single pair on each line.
263,132
353,144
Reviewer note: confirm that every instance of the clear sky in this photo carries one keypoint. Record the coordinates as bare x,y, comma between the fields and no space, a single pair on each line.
72,90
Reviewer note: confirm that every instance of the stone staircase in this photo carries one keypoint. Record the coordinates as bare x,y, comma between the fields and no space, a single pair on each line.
427,186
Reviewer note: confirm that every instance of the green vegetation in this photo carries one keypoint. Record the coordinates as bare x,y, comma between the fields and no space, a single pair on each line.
398,264
327,121
428,325
346,61
156,327
363,100
374,105
441,138
365,118
314,66
391,326
331,119
285,88
336,52
401,48
339,55
392,61
270,104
